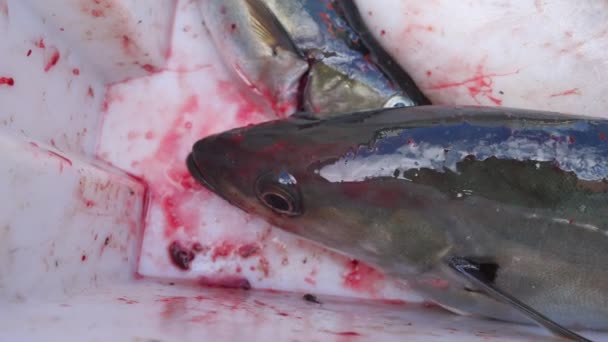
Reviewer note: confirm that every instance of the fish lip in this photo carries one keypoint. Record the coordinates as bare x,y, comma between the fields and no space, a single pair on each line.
196,173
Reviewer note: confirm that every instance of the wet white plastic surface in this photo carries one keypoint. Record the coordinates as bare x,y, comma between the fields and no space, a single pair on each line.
136,84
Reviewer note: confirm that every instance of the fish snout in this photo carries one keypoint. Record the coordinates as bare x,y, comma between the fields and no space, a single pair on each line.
208,160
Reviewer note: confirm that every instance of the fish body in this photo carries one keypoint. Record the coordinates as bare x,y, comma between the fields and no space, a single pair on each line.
314,56
523,194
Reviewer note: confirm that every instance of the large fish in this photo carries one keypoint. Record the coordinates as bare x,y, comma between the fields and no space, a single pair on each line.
311,55
486,211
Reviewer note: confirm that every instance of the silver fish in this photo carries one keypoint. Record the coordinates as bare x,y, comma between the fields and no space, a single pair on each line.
507,208
308,55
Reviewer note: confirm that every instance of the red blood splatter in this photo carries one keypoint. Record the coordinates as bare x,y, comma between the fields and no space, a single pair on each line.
429,73
126,300
310,281
327,20
382,32
127,44
343,333
89,204
40,43
52,60
479,85
188,125
571,140
61,29
90,92
250,249
361,277
232,27
83,257
394,302
573,91
197,247
9,81
603,136
97,13
284,314
76,72
222,251
29,52
55,154
180,256
150,68
238,269
225,282
169,208
149,135
184,179
264,266
173,307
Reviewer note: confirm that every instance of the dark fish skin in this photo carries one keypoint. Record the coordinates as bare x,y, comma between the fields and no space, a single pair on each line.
524,193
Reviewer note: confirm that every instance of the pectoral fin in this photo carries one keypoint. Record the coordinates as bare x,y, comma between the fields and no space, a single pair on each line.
482,274
268,28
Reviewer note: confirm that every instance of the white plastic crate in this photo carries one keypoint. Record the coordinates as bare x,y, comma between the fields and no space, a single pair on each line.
101,102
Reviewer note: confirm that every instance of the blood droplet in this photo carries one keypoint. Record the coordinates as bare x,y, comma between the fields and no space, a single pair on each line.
180,256
9,81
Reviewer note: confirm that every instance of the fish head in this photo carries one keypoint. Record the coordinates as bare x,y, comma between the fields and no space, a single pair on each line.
271,170
257,170
334,89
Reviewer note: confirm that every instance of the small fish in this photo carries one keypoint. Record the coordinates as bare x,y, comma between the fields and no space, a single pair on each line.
507,207
308,55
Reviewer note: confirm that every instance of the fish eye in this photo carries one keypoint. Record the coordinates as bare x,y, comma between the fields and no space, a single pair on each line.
280,193
398,101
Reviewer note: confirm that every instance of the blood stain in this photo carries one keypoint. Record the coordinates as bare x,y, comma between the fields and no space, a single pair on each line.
55,154
97,13
40,43
29,52
150,68
478,85
52,61
247,250
9,81
573,91
222,250
83,257
362,277
76,72
603,136
180,256
230,282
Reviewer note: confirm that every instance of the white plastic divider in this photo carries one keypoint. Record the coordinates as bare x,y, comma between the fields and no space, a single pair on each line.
66,225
